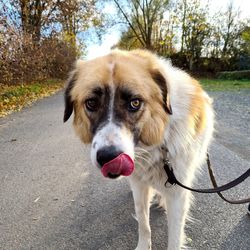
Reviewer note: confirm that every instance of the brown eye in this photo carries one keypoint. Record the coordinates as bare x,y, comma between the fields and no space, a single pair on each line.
92,104
134,105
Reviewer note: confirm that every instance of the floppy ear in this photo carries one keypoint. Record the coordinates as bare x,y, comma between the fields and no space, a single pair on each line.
67,97
162,83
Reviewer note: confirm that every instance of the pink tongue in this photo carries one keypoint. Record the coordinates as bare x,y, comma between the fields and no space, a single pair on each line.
121,165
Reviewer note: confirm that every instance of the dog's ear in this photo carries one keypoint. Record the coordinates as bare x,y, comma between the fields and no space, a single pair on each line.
67,97
160,80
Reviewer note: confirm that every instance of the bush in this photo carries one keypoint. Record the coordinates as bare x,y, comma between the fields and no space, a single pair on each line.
23,60
234,75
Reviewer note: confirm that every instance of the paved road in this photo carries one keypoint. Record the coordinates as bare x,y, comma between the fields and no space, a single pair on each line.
52,198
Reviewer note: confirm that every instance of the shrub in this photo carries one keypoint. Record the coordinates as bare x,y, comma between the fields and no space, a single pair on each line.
23,60
234,75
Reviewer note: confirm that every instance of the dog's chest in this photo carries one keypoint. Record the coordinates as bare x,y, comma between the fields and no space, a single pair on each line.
150,169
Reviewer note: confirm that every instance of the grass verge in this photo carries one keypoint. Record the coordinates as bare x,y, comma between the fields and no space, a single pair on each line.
225,85
15,97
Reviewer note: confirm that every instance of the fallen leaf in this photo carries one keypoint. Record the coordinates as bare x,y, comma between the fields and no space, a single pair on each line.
37,199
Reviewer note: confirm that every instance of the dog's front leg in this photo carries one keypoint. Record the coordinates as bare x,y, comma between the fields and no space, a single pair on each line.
178,203
141,194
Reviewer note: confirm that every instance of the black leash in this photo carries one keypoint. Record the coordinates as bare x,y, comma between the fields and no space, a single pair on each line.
217,189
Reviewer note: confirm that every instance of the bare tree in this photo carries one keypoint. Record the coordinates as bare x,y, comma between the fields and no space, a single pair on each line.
141,18
183,28
77,16
229,27
34,14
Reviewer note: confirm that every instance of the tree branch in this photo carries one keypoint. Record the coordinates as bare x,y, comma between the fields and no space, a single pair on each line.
128,22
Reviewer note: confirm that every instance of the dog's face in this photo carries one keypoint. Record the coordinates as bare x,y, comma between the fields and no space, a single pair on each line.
119,100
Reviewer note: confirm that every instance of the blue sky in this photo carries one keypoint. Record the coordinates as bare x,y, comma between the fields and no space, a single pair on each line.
112,37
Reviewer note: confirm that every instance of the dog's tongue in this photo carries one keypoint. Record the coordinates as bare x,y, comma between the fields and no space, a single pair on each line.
121,165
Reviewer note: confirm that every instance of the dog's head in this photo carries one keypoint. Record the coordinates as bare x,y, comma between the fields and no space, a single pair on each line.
119,100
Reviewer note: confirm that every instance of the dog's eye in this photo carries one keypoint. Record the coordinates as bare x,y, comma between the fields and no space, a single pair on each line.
92,104
134,105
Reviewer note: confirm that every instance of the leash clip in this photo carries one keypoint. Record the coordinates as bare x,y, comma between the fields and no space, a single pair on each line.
168,167
169,171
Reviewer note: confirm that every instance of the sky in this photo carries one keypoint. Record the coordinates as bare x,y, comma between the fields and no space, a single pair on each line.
112,37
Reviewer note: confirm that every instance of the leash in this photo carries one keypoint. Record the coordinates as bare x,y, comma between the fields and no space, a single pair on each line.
217,189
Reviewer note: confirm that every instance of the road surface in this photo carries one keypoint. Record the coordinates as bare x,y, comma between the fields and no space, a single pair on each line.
52,198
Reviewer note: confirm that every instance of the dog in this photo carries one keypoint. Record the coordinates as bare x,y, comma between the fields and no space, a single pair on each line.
129,105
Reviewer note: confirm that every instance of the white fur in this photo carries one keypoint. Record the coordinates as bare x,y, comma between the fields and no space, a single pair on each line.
114,135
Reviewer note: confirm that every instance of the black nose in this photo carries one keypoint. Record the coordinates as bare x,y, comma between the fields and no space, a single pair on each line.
107,154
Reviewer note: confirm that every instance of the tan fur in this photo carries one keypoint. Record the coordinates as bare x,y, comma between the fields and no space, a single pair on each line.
130,71
197,116
82,124
154,125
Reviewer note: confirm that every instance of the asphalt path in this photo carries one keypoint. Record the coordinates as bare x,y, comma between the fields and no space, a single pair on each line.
52,198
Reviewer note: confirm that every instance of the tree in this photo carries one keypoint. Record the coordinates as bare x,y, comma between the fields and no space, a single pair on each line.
141,18
128,40
245,36
226,37
244,58
165,34
34,14
77,16
195,29
41,35
183,6
228,29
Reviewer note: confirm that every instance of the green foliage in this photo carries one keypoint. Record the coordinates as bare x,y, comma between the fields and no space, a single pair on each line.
234,75
245,44
225,85
246,34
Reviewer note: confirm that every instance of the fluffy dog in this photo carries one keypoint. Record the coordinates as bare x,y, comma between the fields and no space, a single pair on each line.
130,104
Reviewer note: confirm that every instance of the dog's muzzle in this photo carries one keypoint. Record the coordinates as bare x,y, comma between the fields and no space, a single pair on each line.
114,162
